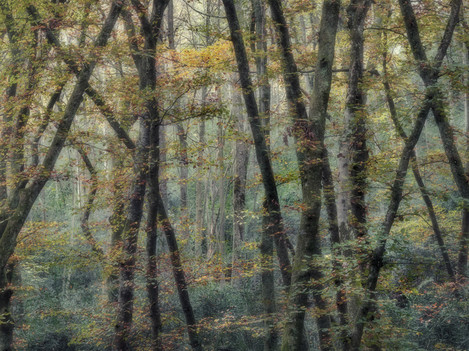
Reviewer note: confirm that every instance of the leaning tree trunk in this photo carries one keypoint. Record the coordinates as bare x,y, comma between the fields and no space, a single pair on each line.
179,277
262,152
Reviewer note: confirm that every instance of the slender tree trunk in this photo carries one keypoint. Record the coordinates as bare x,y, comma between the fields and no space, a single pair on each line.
130,236
89,204
152,268
331,208
200,190
179,277
7,322
355,155
260,48
266,249
241,160
162,166
220,225
184,178
117,221
309,132
464,240
262,152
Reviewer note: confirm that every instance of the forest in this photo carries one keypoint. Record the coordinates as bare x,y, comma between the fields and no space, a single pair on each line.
234,175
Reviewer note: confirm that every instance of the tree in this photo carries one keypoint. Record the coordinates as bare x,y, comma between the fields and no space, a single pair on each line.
19,202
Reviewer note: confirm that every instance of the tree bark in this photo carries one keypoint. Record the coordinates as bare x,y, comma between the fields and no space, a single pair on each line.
201,232
183,178
89,204
220,226
340,296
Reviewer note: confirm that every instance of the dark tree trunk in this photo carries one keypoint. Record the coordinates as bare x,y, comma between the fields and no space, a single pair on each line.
309,133
145,161
464,241
151,229
355,125
184,177
266,249
200,190
260,48
134,213
262,152
179,277
6,320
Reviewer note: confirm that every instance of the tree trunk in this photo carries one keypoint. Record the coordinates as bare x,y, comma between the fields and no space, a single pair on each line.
151,229
179,277
264,89
464,241
355,155
262,152
266,249
220,225
117,221
183,179
355,125
148,137
6,320
331,208
200,191
309,133
241,159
